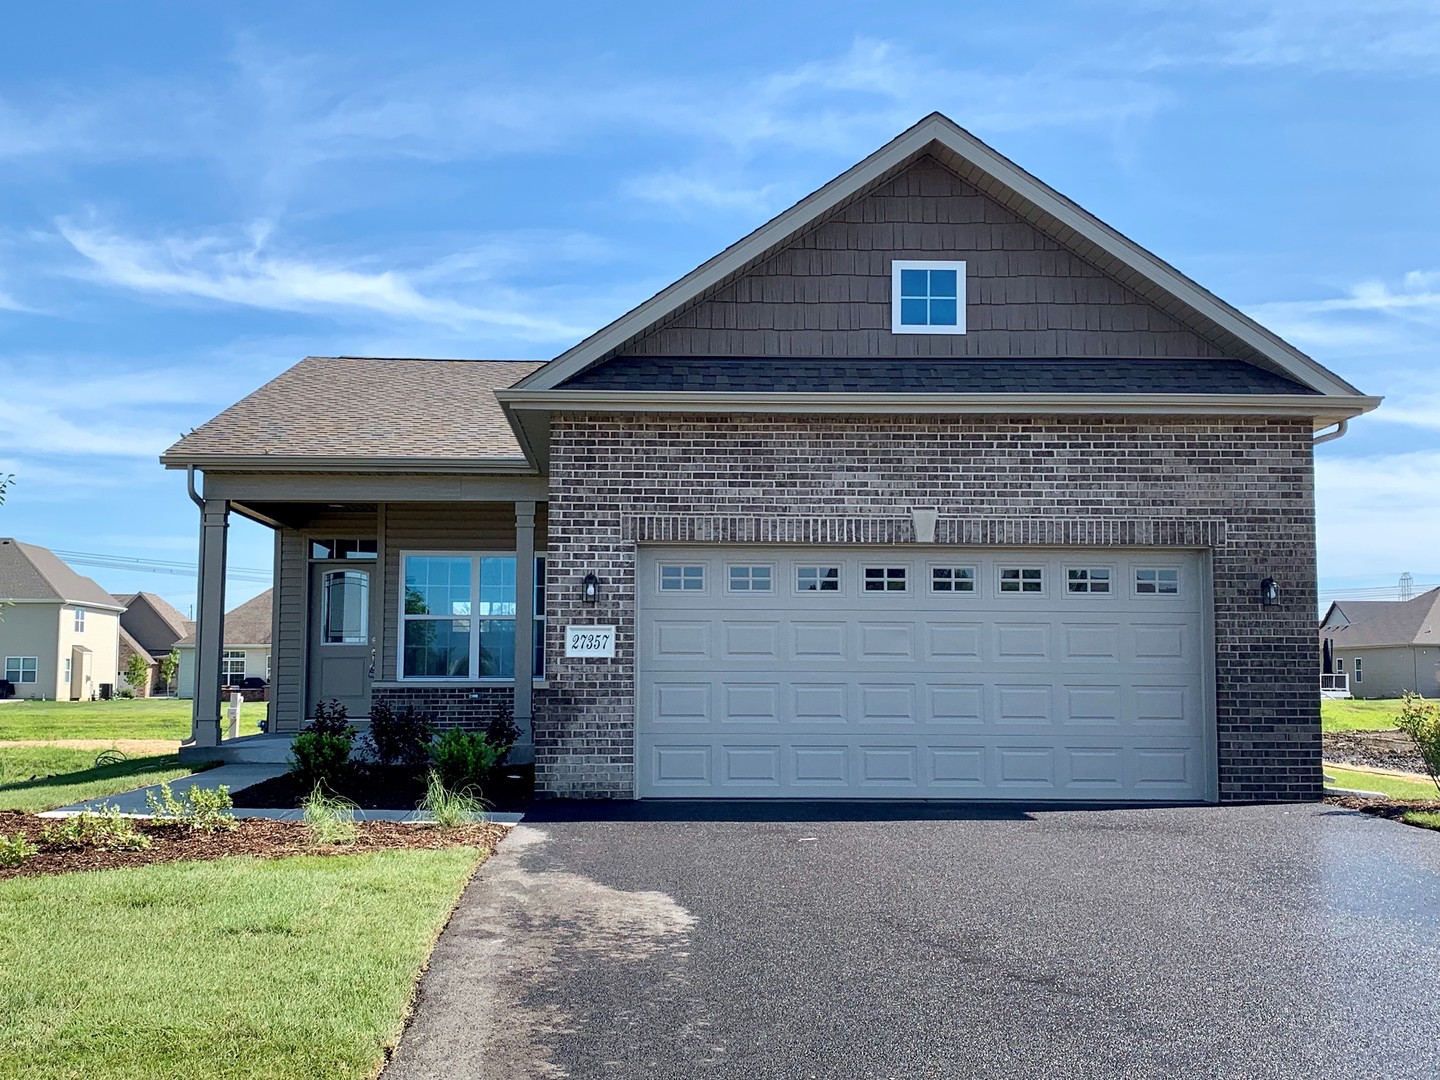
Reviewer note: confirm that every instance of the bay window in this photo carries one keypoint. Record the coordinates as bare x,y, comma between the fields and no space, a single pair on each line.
458,616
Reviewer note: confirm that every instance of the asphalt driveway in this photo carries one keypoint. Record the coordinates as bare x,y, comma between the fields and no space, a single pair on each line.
762,941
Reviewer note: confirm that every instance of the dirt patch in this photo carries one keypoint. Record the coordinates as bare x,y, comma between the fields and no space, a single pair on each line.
1373,749
129,747
259,838
1394,809
379,787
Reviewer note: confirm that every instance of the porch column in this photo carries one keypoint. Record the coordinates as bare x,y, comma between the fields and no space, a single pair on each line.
210,623
524,629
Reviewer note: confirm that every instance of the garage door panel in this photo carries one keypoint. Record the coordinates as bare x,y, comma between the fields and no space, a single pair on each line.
914,694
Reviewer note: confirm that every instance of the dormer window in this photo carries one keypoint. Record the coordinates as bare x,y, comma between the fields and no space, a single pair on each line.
927,297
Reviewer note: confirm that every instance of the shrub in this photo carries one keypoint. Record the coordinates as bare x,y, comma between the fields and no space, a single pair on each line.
450,809
137,672
330,819
199,808
320,754
1420,719
502,730
104,828
14,850
399,738
465,759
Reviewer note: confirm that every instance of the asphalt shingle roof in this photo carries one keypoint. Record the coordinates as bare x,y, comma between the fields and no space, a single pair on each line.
248,624
366,408
1375,623
865,375
31,572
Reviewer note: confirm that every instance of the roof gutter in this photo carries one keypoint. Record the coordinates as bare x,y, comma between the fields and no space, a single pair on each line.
1331,436
275,463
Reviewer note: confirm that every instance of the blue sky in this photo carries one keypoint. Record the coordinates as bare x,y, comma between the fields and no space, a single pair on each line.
194,198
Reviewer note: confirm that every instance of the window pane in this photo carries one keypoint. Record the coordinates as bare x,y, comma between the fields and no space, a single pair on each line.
914,312
497,586
914,283
497,648
539,660
437,648
345,608
437,585
942,313
682,578
540,586
942,283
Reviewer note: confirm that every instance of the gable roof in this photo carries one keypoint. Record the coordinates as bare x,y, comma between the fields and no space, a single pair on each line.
31,572
153,619
1000,179
248,624
1377,623
370,412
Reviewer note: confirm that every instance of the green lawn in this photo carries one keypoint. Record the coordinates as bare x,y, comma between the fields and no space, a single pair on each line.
297,967
141,718
64,775
1425,819
1341,715
1388,785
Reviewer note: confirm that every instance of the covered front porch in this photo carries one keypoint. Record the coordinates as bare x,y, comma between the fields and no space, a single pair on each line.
421,590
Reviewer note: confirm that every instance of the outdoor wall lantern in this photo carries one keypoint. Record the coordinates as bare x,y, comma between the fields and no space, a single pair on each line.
590,589
1269,592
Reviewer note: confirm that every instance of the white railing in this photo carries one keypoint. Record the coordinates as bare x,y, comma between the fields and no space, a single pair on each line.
1338,684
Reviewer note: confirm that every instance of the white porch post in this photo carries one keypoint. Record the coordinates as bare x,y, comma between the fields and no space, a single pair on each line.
524,629
210,623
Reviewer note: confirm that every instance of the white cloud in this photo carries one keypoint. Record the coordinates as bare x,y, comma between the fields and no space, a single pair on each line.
1377,515
242,269
1369,316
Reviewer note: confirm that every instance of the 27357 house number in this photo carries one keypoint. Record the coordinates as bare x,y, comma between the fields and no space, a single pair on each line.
590,641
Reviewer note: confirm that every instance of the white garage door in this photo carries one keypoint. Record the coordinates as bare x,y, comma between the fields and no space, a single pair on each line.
919,673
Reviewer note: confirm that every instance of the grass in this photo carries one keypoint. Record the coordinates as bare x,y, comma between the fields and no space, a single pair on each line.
141,718
64,775
1393,786
287,968
1426,819
1337,714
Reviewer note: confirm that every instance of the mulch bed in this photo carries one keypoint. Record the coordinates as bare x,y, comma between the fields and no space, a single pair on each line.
260,838
1394,809
380,787
1373,749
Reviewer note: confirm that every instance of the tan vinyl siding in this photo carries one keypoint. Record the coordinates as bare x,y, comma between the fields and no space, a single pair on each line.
828,293
414,527
1392,670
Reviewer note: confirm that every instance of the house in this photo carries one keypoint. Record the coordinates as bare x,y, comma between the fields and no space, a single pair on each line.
934,486
1385,647
150,627
59,631
246,654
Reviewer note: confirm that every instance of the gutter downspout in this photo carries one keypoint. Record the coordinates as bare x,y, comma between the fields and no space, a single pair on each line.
190,487
1329,436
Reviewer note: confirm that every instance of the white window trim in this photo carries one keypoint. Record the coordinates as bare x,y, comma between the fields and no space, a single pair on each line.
1157,594
79,620
1359,670
18,663
905,581
974,589
750,566
1339,665
229,656
898,265
1001,591
1090,569
796,590
660,589
541,621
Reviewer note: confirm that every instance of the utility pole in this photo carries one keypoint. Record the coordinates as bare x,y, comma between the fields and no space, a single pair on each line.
1407,586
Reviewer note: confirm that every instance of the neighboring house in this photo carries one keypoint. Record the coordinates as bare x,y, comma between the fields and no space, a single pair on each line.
59,631
933,486
1385,647
150,627
247,646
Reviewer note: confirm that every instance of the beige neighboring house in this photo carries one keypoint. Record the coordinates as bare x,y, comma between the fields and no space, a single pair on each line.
1385,647
59,630
150,627
247,646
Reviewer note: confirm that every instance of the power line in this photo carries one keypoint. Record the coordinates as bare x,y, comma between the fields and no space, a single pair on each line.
158,566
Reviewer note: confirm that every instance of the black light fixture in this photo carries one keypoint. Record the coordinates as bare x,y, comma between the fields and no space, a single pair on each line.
1269,592
590,589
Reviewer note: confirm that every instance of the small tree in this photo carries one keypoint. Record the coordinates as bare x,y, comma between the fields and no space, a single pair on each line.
169,665
137,672
1420,719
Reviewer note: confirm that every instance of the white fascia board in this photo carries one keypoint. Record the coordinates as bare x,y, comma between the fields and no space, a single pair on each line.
6,601
1326,408
317,463
939,130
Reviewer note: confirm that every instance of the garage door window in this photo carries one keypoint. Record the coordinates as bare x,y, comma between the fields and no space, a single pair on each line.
886,579
1022,579
677,578
1087,579
817,579
1157,581
952,579
752,578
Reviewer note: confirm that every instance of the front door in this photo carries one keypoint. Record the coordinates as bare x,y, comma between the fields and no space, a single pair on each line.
342,648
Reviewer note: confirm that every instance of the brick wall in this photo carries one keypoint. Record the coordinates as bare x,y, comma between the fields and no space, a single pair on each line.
471,708
1240,486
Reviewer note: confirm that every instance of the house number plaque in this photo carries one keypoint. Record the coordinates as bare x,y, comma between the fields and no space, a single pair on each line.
590,641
